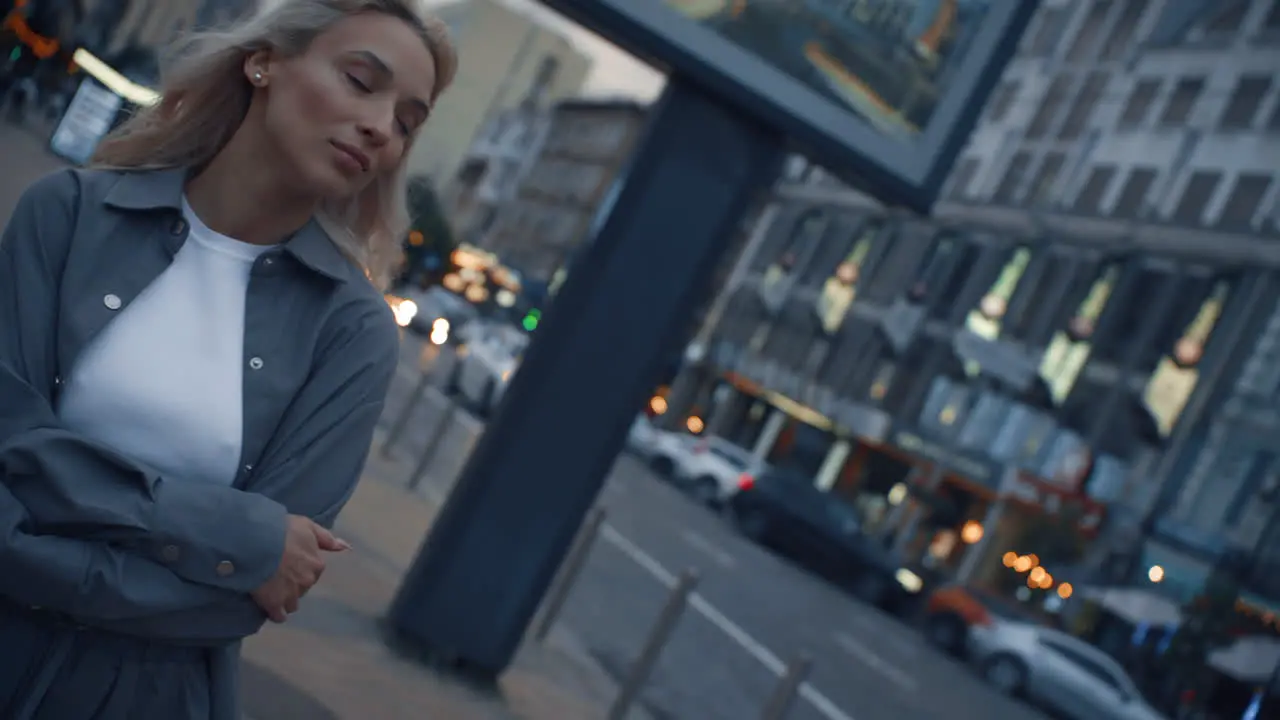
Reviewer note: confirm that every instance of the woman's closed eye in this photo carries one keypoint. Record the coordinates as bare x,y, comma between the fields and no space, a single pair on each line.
364,88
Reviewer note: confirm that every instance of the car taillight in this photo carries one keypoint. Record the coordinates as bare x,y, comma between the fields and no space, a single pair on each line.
746,482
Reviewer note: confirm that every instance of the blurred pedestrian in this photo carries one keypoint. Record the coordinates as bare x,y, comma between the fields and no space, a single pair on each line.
194,351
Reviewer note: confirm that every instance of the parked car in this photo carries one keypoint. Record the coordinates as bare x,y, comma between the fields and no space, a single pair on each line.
485,364
711,469
953,609
421,312
666,450
821,532
646,441
1051,668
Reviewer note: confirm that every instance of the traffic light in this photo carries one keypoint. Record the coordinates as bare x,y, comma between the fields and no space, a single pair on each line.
531,318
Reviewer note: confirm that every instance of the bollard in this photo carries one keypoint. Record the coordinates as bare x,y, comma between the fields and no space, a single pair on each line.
568,573
402,420
433,444
784,695
629,691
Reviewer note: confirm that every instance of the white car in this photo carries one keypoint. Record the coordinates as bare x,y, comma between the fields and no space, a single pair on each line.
711,469
656,446
486,362
1054,669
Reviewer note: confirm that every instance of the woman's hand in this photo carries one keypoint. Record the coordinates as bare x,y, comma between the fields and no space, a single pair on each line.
300,567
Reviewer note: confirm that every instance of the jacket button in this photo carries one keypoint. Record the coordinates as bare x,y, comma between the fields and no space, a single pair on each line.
112,301
170,553
255,363
225,569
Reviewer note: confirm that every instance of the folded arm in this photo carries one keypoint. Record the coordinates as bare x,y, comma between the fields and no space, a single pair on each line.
111,541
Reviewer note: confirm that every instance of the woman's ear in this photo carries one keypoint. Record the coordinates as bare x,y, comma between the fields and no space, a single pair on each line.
256,68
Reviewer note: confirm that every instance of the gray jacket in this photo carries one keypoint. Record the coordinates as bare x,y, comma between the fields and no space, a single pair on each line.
95,535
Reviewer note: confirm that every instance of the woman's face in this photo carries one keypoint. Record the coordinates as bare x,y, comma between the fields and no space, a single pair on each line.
344,112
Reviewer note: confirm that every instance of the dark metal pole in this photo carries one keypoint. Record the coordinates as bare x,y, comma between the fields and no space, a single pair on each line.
784,695
438,434
406,413
595,358
568,574
629,692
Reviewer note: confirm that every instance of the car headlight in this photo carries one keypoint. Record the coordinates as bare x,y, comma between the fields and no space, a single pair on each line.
909,581
404,310
439,331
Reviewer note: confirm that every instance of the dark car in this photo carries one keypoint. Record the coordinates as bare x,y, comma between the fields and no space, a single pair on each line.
819,531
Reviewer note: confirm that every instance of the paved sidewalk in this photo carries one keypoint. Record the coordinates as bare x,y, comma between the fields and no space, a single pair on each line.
329,661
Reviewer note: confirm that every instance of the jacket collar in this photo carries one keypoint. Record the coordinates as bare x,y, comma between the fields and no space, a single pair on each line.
151,190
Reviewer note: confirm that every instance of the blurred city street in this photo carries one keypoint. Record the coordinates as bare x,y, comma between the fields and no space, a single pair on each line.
753,614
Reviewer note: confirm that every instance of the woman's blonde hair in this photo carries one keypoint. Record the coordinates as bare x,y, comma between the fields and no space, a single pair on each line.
205,97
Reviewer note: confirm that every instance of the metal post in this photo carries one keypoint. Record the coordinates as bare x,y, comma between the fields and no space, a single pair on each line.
402,420
629,692
433,444
568,574
784,695
787,688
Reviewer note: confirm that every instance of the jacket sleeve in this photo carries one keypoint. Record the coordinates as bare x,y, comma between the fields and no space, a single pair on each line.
107,587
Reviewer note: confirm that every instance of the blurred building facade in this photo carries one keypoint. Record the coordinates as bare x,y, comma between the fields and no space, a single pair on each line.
1088,306
503,57
584,146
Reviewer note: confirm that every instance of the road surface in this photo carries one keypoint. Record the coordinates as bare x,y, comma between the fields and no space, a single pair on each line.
752,614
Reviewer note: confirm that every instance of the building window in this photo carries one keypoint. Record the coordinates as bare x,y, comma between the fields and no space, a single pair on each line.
986,319
962,176
1139,104
1244,201
1195,198
1272,20
1133,196
1087,37
1050,104
1078,117
1174,378
1132,311
1121,37
941,274
1014,179
1070,347
1245,101
1002,100
1048,34
1182,102
840,289
1089,201
1042,187
1229,18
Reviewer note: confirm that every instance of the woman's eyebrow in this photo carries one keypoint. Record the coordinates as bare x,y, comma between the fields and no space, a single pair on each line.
381,67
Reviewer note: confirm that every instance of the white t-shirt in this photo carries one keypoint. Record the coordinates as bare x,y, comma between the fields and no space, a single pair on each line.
162,384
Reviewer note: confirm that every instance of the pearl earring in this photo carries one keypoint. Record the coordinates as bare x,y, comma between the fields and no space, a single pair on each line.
257,78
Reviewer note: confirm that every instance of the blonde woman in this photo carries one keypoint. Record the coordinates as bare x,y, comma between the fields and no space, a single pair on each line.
193,355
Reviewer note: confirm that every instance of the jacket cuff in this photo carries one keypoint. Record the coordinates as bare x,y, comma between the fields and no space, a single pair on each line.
213,535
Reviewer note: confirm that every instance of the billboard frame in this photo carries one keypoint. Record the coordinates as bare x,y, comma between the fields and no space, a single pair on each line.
908,172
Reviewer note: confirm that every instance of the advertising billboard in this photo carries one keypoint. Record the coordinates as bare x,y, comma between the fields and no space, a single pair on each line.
881,92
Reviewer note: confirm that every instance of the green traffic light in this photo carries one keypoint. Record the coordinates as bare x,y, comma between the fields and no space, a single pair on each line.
530,321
